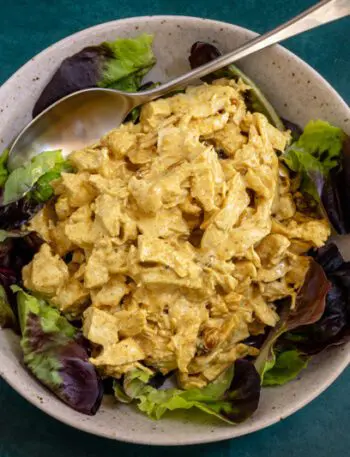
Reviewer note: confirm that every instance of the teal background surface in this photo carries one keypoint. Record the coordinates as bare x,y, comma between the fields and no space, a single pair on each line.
28,26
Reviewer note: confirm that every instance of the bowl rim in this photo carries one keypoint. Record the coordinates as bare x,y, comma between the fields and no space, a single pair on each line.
16,384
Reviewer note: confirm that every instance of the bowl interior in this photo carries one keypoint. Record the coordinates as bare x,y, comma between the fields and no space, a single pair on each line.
298,93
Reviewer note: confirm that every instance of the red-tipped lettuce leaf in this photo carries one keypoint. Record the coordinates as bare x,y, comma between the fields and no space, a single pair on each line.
243,393
80,71
333,327
310,302
54,353
321,156
309,307
119,64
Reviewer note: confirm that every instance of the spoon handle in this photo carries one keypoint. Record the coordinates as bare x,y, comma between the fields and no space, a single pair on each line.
322,13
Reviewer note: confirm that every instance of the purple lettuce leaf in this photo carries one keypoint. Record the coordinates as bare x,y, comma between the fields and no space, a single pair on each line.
295,129
15,214
17,252
243,395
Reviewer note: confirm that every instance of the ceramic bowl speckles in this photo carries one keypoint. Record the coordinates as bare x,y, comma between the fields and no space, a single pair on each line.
299,94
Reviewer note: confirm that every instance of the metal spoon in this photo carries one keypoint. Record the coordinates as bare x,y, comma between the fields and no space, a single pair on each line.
83,117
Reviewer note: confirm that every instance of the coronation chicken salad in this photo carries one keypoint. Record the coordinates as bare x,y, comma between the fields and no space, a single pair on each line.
184,260
176,237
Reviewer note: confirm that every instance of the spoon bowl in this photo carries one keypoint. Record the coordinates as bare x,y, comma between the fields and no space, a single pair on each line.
72,123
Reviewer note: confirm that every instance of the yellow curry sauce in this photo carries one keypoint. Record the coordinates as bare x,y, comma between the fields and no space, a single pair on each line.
182,231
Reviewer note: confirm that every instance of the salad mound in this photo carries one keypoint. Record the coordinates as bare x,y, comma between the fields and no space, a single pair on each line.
185,256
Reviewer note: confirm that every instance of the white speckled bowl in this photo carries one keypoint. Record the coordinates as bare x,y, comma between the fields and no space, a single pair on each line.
298,93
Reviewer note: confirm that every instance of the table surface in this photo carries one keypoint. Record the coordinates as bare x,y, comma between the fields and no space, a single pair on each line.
27,27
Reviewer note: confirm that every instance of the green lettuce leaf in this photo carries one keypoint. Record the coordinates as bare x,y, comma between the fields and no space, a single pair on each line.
130,83
22,179
120,394
3,167
42,190
156,402
286,367
232,397
314,155
132,59
54,352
